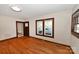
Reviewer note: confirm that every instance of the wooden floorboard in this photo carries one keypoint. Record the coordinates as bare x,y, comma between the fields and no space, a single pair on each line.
28,45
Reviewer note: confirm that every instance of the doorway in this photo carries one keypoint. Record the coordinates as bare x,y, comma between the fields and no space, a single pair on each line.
22,28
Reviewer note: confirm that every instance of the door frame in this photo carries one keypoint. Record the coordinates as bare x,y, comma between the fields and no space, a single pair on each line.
23,26
17,27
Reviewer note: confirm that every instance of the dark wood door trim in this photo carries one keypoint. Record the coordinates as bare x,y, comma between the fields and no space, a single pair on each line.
17,27
25,28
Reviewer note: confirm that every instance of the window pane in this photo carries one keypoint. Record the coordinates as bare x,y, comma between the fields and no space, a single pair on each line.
77,28
26,24
40,27
48,27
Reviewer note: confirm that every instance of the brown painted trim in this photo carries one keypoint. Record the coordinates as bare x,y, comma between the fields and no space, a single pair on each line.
72,50
75,11
43,20
8,39
40,39
50,41
23,26
73,22
17,27
55,43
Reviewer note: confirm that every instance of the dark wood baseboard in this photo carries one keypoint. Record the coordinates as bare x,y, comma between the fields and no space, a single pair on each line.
72,50
8,39
55,43
41,39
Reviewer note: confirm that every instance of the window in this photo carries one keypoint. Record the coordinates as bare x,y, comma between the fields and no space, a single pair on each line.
45,27
39,27
75,24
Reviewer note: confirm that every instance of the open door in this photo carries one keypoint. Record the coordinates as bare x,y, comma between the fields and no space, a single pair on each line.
22,28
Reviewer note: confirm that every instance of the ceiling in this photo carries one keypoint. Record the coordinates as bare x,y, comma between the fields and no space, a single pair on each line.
33,10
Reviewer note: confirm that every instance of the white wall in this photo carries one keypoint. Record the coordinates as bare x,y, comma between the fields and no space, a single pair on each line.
7,27
75,40
61,27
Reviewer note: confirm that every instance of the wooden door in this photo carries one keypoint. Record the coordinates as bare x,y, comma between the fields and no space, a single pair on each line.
26,29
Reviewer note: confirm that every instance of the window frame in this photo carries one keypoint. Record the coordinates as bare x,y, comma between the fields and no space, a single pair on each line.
44,27
74,22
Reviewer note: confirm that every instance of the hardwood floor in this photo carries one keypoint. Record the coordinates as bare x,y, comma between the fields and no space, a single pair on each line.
28,45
